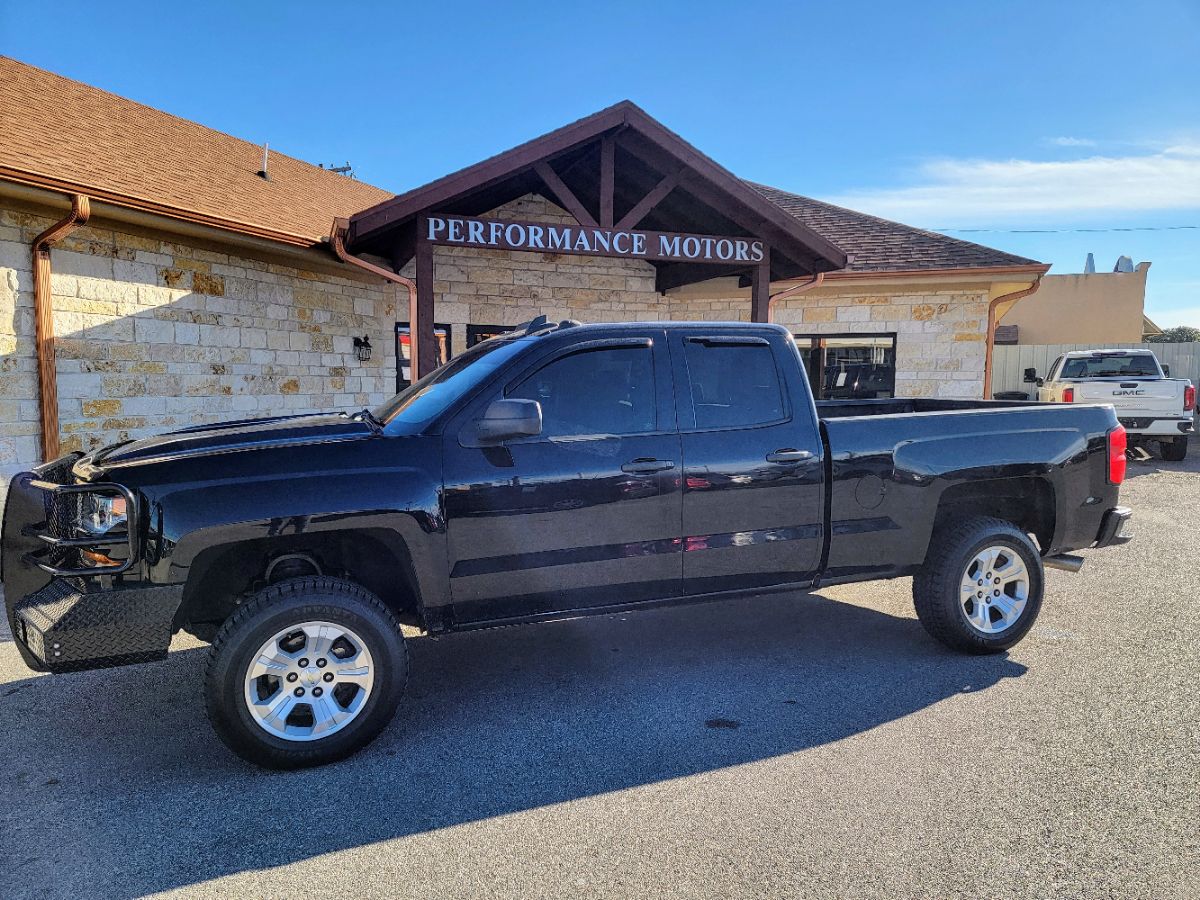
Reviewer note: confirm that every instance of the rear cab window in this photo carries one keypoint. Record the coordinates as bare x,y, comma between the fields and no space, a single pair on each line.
1111,365
732,382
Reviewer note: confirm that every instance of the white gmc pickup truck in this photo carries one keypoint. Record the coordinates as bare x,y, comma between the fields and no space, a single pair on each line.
1151,405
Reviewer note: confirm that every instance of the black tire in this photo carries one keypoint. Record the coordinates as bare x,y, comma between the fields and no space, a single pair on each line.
936,588
1174,450
273,609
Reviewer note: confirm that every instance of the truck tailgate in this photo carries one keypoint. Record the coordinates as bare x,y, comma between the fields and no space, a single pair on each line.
1134,396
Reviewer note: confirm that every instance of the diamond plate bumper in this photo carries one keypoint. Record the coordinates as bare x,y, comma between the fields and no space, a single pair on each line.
73,624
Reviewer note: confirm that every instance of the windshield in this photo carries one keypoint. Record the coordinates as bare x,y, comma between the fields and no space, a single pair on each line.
1123,365
425,399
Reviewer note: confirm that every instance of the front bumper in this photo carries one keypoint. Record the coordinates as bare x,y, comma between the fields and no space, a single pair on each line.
73,624
60,620
1114,527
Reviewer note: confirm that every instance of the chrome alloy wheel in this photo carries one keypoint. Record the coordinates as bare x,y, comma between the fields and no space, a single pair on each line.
995,587
309,681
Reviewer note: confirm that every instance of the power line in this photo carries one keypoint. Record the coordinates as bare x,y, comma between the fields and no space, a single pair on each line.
1067,230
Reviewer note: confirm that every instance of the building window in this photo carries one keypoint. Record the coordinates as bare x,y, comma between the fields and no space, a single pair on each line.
404,356
477,334
849,366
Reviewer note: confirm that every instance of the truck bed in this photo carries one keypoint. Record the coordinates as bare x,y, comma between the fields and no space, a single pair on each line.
842,409
891,460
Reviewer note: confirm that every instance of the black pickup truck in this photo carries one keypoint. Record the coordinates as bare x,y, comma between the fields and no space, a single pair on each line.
556,471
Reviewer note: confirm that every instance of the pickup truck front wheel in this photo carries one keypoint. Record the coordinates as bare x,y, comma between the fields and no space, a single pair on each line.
306,672
980,589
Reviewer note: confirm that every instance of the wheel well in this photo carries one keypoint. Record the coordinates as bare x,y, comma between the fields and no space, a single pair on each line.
221,577
1026,502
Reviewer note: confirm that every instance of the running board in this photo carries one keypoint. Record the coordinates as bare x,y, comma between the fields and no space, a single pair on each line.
1068,562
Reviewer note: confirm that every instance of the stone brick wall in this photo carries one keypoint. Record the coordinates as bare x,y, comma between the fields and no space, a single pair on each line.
939,334
155,333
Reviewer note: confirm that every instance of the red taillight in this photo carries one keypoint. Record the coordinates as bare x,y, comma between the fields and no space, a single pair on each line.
1116,455
1068,395
1189,398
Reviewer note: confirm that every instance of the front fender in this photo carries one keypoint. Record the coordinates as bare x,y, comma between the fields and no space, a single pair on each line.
187,518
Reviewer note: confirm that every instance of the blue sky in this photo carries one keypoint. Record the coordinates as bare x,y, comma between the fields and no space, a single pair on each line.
1015,116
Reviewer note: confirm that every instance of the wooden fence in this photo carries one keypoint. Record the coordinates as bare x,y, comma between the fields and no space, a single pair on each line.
1011,361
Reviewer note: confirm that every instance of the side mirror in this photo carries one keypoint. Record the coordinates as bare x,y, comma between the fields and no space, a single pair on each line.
1167,370
1030,376
507,419
1039,381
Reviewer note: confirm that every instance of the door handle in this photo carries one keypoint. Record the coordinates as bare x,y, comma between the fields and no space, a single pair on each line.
647,466
788,456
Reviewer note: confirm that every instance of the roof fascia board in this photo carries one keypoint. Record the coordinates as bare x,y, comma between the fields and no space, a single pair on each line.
981,273
310,258
31,179
491,170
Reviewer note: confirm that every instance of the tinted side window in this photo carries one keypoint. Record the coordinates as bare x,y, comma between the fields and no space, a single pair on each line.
733,385
1054,369
606,391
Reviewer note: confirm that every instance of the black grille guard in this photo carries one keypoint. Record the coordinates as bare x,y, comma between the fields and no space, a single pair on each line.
54,516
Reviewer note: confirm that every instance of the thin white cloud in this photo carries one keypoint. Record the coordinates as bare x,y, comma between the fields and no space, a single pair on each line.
1172,316
1071,142
959,191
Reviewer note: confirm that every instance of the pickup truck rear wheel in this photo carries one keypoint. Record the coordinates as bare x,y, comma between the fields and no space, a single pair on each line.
980,589
306,672
1174,450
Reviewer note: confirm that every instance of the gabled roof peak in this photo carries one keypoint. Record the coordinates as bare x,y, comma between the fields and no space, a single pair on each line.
697,195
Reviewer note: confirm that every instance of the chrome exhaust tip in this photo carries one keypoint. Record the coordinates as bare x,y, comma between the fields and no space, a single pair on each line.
1068,562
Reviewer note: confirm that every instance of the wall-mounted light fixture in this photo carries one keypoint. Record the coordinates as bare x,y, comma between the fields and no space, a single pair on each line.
362,348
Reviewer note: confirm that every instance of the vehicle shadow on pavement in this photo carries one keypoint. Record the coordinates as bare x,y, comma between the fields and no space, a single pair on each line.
115,784
1155,464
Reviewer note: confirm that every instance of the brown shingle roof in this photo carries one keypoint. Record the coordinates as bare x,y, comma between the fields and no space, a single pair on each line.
80,136
878,245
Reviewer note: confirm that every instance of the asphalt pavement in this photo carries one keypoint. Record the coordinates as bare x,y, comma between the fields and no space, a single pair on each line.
787,745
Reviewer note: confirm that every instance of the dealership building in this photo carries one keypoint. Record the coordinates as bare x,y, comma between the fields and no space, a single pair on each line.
157,274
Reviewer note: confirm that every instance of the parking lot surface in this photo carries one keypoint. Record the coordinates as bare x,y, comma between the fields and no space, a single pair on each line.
782,745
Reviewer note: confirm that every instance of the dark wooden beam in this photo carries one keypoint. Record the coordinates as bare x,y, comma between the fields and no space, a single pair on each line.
608,153
489,172
566,199
404,247
657,194
422,339
824,254
760,289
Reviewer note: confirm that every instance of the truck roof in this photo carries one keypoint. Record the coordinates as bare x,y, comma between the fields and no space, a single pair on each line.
542,325
1112,351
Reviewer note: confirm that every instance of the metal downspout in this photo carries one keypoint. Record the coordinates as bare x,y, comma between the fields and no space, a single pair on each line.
991,332
815,282
43,317
337,240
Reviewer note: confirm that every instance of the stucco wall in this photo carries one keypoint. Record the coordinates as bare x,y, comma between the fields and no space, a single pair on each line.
1097,308
155,333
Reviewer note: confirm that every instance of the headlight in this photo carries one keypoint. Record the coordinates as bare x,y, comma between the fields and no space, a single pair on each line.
101,513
